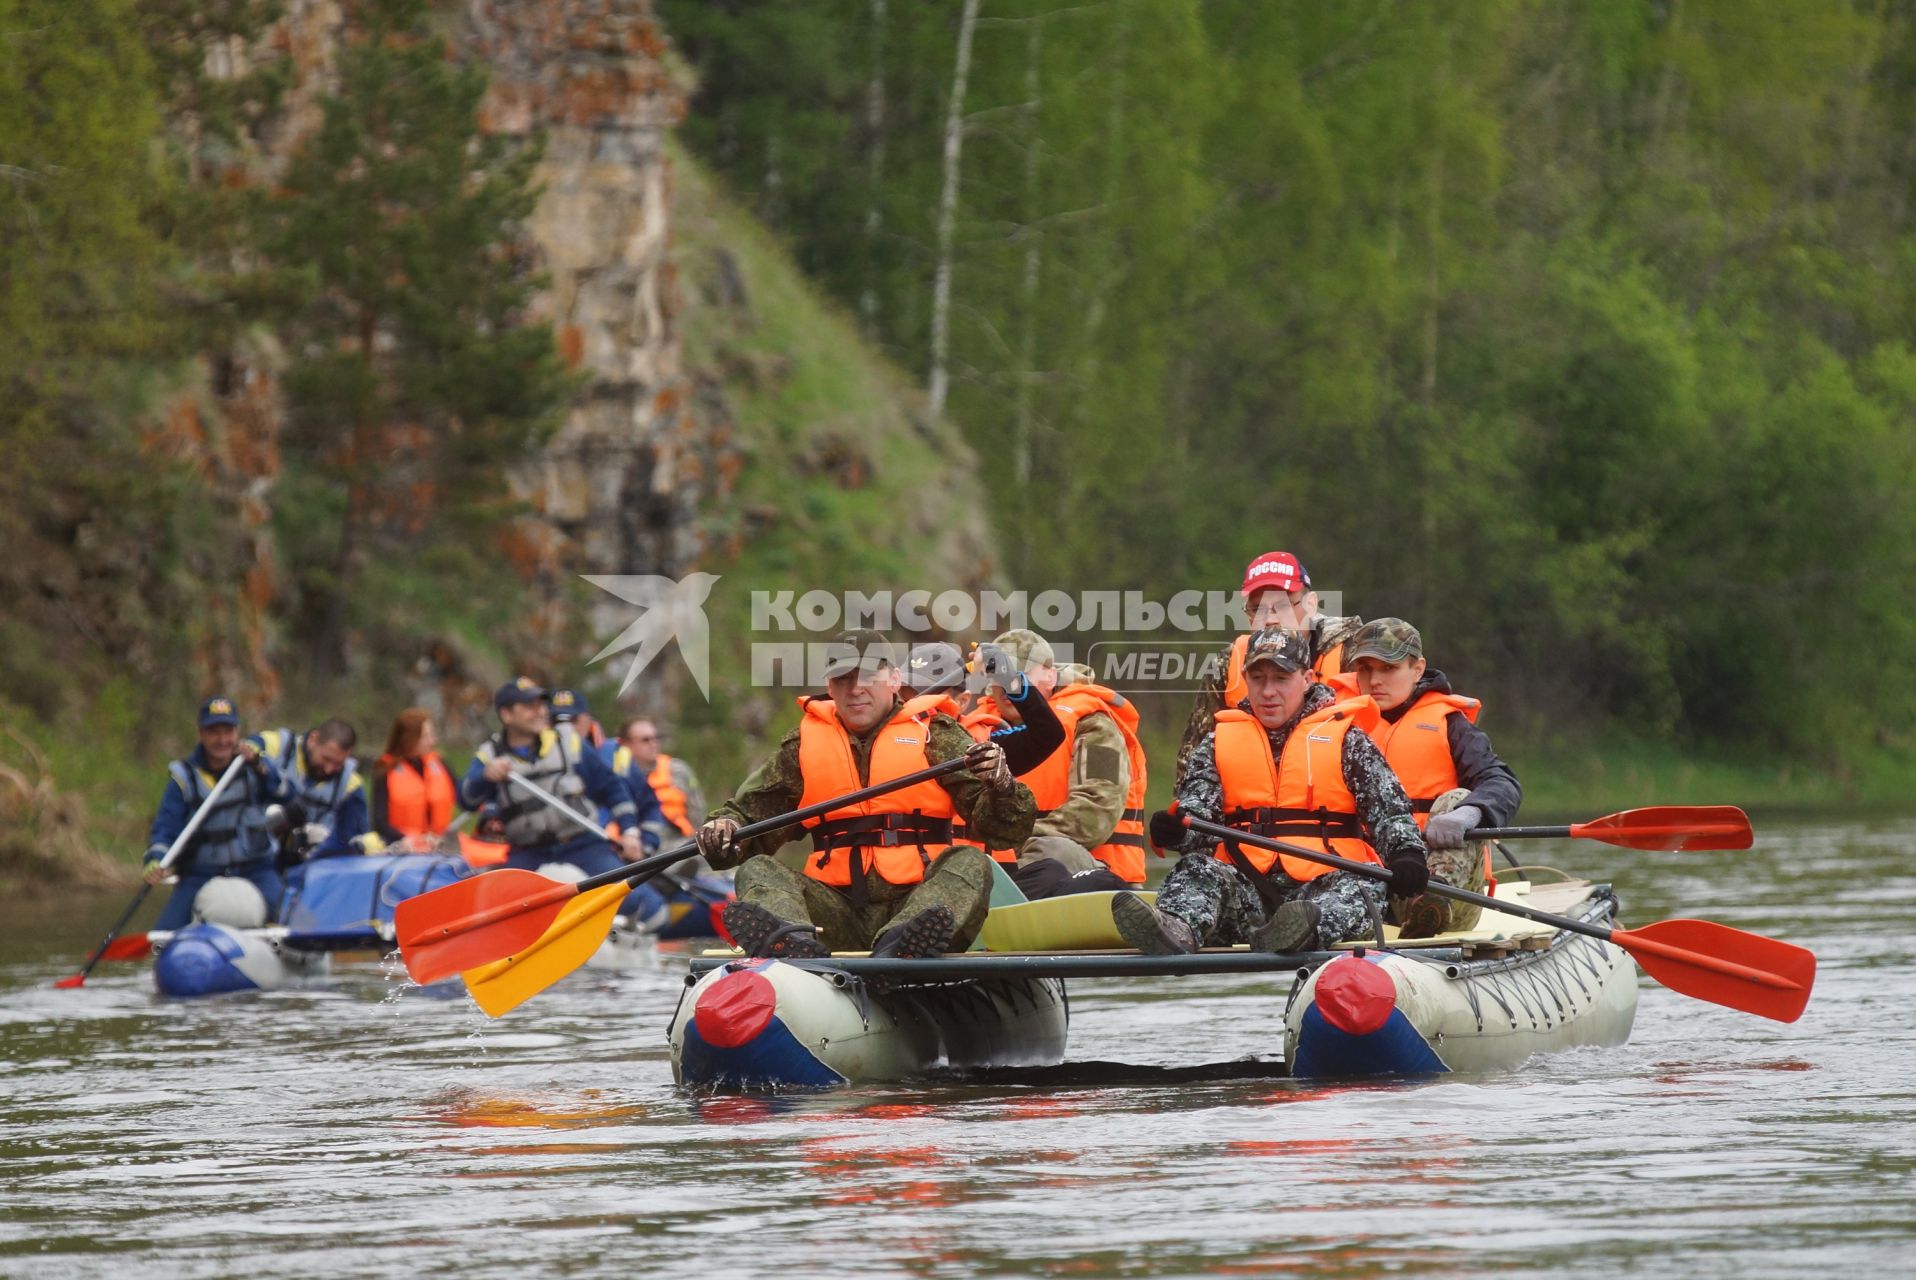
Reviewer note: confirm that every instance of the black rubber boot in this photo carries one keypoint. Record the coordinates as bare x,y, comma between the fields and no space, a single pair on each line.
926,934
761,934
1149,930
1292,927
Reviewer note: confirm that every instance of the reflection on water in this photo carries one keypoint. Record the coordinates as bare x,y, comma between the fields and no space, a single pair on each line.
360,1125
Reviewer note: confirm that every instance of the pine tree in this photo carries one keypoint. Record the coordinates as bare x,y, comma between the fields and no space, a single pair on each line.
396,257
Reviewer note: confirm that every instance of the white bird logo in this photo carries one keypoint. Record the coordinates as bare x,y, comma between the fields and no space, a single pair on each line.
671,611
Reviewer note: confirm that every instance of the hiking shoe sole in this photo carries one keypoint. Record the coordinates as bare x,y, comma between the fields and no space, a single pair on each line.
926,934
1292,927
1423,916
762,935
1140,924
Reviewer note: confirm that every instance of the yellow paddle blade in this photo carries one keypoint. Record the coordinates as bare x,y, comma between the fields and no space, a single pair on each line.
577,932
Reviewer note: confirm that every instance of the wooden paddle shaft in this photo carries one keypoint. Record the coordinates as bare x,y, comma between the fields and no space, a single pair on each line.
657,862
1370,870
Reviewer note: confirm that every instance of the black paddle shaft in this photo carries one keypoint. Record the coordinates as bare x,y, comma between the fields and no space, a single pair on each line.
86,970
1518,833
647,867
1372,871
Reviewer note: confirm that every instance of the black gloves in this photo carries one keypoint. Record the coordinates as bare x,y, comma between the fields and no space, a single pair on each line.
1167,829
1409,875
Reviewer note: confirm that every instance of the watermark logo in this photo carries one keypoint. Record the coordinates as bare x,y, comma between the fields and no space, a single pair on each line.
1126,640
669,611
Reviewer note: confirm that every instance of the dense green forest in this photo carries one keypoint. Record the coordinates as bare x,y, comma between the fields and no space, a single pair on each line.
1578,333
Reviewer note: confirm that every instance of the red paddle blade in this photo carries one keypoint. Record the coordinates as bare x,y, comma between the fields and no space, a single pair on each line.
473,922
1671,828
1725,966
69,982
132,946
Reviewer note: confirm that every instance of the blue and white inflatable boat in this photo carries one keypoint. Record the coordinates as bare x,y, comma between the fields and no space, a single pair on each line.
345,904
330,905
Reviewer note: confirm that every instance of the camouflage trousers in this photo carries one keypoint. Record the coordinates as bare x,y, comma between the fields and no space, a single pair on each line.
1459,868
1223,908
959,878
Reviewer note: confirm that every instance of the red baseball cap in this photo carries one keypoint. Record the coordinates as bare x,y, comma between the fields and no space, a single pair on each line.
1278,569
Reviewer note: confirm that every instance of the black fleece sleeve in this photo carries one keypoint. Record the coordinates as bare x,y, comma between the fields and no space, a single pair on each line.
1029,745
1493,787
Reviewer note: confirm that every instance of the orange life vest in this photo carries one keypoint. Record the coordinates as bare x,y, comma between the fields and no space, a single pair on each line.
1417,747
1050,781
420,802
893,834
1326,665
671,797
1299,798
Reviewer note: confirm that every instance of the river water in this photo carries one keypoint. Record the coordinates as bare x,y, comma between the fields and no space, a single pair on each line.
360,1127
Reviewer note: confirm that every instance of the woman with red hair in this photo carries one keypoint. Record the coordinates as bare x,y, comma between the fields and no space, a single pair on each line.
413,794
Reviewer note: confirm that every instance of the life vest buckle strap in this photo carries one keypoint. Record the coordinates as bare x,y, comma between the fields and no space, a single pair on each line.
884,831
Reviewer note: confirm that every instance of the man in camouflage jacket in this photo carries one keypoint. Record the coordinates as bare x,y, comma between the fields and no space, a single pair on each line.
958,879
1206,901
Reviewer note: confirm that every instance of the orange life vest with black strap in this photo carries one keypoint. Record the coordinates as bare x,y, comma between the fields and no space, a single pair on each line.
1299,798
671,798
894,834
420,801
1417,747
1050,781
1325,666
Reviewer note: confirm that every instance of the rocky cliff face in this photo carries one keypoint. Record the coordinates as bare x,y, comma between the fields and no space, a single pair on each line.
618,488
830,471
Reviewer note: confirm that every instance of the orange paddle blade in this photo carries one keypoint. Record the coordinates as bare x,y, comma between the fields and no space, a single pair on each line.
1725,966
580,927
1671,828
473,922
133,946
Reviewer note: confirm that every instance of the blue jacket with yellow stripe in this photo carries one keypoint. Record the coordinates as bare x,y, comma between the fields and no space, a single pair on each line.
234,833
337,803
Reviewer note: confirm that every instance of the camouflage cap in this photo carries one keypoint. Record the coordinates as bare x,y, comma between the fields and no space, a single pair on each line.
1075,673
1385,639
863,647
1283,647
1027,648
935,667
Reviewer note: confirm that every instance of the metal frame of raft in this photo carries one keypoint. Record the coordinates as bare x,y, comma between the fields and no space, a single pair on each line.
965,966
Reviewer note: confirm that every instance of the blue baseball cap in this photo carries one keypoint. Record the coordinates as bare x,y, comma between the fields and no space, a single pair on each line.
217,710
568,704
514,692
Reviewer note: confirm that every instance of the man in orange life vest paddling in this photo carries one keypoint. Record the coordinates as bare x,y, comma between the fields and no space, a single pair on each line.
1277,593
1089,836
1292,762
1454,777
884,874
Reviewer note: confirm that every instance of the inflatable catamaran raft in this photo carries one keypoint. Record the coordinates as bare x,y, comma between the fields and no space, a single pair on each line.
1475,1001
